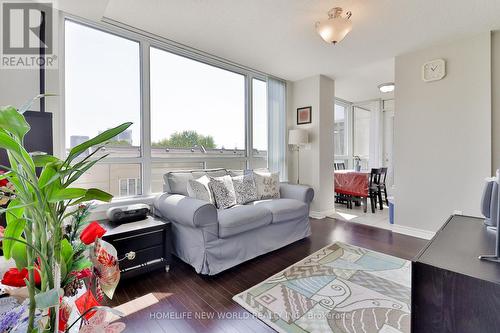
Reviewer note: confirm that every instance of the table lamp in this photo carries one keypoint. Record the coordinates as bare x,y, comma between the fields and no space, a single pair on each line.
296,138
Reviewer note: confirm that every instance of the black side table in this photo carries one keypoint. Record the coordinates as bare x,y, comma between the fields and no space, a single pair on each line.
142,246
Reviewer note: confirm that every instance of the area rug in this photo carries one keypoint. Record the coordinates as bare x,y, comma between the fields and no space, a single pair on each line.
340,288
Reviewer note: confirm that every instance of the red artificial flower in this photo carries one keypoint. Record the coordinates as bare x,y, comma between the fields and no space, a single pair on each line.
83,273
86,302
4,181
64,313
91,233
15,278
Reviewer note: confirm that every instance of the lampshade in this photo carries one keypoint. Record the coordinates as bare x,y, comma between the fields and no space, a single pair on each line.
298,137
336,27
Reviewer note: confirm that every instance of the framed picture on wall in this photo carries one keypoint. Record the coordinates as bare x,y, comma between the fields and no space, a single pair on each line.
304,115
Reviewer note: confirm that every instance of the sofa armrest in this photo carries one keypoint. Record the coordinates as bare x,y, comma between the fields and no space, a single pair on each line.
186,211
298,192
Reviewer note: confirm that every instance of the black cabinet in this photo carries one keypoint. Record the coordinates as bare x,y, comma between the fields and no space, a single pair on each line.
452,290
142,246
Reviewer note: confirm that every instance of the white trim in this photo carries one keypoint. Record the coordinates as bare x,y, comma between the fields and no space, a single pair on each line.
419,233
321,214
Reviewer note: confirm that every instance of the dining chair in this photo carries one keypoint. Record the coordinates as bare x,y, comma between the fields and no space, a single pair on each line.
373,188
382,186
339,165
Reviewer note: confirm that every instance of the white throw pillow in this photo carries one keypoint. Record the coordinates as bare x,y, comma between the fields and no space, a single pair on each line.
223,191
268,184
199,189
245,189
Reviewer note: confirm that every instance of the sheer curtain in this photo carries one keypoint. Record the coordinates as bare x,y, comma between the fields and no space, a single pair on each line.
376,126
276,106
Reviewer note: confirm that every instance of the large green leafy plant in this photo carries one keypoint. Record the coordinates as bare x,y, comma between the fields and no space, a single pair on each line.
35,217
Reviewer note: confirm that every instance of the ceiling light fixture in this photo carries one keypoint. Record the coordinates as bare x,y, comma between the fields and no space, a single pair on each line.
336,27
386,87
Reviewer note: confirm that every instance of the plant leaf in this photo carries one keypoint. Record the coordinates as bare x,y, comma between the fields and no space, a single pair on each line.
43,160
94,194
19,254
66,251
15,211
67,194
8,143
84,168
104,136
29,103
48,299
13,230
81,264
13,122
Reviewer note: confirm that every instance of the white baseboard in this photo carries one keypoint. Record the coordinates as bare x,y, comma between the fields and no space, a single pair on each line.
420,233
321,214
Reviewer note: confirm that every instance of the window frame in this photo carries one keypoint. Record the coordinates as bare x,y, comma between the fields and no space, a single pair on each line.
146,41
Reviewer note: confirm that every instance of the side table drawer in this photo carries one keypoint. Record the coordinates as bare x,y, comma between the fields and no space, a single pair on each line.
138,242
141,257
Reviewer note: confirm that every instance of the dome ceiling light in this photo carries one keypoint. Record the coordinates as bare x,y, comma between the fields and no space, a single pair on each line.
386,87
336,27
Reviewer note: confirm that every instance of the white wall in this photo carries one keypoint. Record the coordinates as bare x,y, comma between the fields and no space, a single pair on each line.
316,158
442,143
495,99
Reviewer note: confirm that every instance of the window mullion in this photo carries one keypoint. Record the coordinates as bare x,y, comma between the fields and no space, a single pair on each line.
146,119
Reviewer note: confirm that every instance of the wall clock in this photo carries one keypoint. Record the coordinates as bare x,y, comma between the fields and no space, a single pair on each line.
433,70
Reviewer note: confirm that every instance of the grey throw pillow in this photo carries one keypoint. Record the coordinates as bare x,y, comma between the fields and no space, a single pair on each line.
245,189
268,184
223,191
199,189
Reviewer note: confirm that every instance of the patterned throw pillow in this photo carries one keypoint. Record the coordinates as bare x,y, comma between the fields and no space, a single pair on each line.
245,189
268,184
223,191
199,189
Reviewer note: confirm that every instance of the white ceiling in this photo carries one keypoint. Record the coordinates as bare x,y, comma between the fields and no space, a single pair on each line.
278,36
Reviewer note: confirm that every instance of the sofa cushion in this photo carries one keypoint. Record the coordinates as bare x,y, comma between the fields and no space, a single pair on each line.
283,209
209,173
177,181
238,219
223,191
245,189
268,184
199,189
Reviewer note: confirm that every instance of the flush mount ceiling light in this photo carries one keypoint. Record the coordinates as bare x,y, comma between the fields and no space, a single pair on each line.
386,87
336,27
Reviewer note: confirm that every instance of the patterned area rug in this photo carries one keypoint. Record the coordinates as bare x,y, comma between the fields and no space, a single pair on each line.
340,288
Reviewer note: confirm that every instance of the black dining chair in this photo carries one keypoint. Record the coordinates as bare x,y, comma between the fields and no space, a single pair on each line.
373,188
339,166
382,187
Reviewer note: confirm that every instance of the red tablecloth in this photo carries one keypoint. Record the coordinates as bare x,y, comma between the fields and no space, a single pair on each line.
352,182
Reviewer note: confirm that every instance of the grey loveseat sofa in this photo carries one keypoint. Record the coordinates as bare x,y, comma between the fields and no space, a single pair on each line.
213,240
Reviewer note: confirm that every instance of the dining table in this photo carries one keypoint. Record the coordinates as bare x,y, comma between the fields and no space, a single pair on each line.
351,182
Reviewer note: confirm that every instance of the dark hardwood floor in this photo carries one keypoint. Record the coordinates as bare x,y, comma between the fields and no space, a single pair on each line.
188,302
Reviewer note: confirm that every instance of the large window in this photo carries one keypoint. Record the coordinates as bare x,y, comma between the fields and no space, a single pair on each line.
361,133
195,105
102,90
259,103
199,112
102,76
340,130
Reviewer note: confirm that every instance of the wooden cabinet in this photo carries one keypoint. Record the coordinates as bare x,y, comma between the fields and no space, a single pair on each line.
142,246
452,290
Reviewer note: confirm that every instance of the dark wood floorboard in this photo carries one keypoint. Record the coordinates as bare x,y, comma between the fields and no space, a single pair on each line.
184,296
